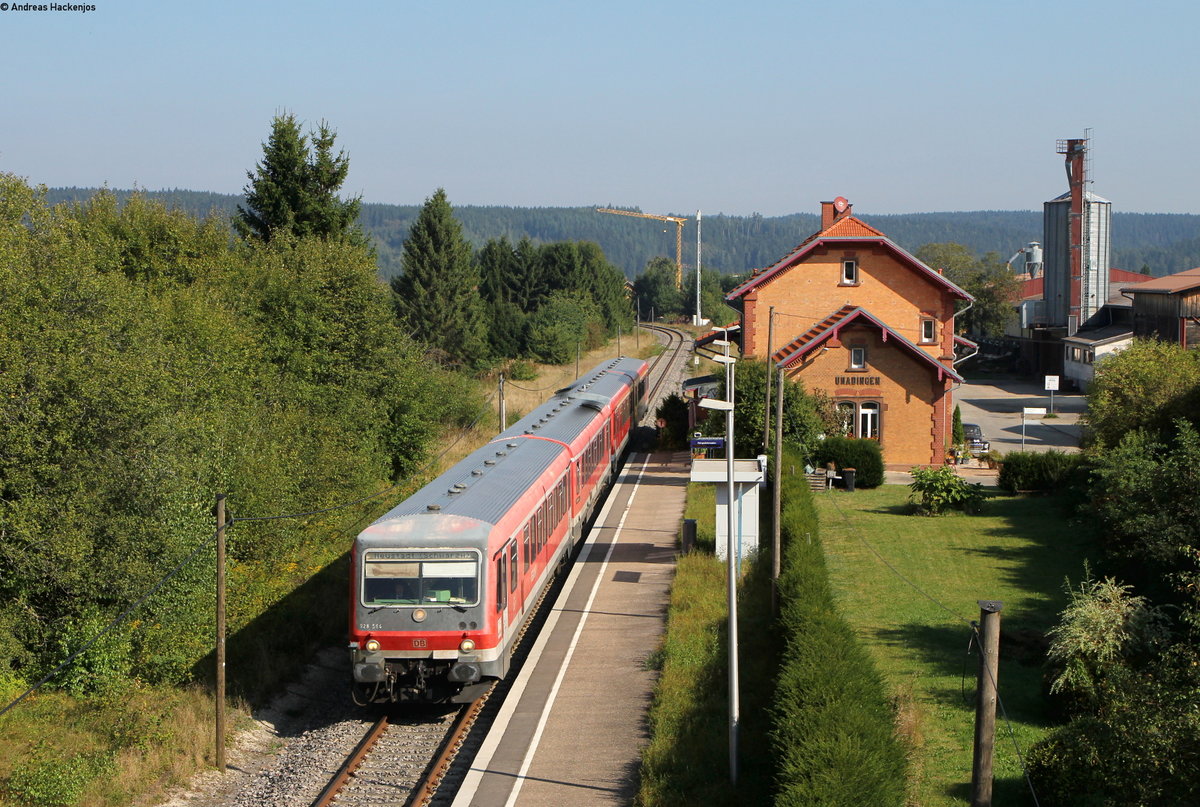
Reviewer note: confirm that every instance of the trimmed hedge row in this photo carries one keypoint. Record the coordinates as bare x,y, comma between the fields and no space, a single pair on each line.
834,726
1039,471
864,456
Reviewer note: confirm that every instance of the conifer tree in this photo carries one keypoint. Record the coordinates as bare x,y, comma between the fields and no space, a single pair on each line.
437,296
294,189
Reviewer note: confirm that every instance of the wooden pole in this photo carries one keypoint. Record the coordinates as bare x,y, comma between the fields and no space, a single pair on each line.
777,496
503,410
770,348
985,705
220,694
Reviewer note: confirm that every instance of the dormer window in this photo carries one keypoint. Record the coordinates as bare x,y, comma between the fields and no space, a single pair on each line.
849,272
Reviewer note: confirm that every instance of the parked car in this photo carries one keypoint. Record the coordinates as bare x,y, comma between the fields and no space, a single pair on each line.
975,442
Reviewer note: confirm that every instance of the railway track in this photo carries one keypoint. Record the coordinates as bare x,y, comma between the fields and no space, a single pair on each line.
664,363
404,764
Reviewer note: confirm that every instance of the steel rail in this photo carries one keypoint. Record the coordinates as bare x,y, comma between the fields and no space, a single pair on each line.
351,764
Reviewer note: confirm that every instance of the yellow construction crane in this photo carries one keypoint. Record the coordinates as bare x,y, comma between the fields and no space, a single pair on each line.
678,235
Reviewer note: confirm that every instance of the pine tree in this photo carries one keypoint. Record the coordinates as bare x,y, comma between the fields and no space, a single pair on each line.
294,189
437,296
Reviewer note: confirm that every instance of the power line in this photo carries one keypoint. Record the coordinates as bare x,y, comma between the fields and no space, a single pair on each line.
111,625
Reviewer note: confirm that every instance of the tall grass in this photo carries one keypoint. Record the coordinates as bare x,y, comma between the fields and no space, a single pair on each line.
686,761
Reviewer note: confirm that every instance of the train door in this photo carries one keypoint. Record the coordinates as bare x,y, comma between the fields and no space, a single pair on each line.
514,583
500,598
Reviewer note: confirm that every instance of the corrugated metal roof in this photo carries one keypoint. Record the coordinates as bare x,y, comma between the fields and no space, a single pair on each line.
1168,284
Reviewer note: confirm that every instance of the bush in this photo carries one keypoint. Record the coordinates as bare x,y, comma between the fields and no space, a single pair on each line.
1043,472
673,414
834,725
1143,748
864,456
936,490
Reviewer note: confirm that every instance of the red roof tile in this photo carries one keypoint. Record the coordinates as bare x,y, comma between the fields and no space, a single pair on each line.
829,327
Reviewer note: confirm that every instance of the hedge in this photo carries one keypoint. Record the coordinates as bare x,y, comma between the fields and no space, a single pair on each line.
864,456
834,726
1043,472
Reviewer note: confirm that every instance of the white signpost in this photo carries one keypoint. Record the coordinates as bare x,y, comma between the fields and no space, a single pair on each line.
1033,411
1051,386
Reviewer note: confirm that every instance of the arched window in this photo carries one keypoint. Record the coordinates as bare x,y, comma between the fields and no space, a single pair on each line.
845,411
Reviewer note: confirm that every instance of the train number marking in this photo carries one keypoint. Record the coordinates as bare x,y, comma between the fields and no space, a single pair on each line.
370,626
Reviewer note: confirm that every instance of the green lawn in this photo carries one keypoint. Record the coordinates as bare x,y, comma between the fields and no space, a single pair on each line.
1019,550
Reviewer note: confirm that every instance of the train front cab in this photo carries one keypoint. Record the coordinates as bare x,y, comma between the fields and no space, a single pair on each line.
421,624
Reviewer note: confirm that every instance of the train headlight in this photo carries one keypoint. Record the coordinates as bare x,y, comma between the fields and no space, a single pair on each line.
372,645
466,645
419,615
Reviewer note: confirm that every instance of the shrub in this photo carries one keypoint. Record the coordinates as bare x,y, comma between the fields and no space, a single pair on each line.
673,414
864,456
47,781
1043,472
936,490
521,370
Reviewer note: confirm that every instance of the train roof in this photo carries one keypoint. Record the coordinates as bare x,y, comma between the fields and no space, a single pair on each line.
487,483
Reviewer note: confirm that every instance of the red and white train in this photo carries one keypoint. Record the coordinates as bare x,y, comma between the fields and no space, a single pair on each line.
442,583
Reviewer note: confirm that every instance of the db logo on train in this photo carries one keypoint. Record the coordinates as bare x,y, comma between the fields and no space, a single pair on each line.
418,643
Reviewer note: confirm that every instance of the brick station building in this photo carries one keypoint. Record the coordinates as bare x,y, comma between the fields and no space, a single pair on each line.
861,319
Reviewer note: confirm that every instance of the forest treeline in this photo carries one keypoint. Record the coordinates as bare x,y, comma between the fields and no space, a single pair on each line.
1154,243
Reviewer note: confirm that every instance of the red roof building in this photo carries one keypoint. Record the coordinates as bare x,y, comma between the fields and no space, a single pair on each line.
863,320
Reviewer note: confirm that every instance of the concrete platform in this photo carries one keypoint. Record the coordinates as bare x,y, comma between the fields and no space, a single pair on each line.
573,726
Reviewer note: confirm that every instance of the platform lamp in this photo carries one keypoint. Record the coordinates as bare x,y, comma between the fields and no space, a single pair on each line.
730,555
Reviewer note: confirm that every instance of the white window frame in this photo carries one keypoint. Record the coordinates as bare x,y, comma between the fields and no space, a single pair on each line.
868,419
861,364
849,272
928,324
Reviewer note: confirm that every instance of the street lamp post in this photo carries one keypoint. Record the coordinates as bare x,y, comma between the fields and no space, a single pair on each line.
731,550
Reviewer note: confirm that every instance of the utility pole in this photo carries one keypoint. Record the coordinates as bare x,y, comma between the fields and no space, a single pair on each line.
618,340
503,412
770,348
985,704
220,694
698,317
777,496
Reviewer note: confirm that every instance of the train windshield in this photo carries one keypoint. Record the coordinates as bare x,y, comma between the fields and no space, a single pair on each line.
420,577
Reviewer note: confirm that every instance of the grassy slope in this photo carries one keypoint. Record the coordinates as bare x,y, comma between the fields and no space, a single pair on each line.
1018,551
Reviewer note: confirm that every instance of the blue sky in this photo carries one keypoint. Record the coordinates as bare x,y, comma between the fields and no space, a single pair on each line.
770,107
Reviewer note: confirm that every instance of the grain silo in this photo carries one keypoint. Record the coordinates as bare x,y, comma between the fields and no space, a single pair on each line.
1076,235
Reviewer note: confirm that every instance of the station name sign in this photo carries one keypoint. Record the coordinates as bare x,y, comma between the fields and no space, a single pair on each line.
857,380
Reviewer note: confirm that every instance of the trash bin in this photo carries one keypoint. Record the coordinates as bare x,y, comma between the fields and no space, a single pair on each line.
687,536
848,478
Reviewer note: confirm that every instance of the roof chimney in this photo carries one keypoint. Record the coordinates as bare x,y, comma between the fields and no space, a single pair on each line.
832,211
